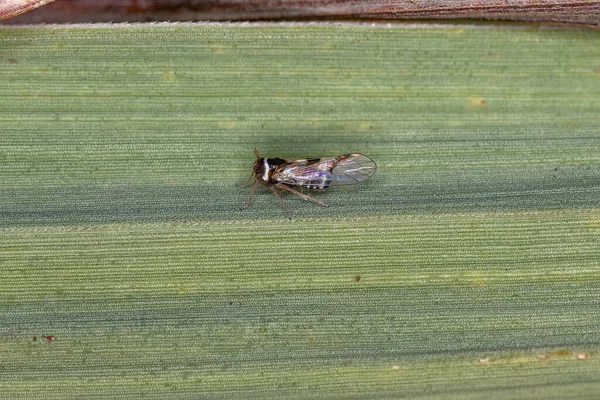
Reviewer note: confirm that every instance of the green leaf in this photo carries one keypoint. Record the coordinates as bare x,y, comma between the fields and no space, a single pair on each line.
467,267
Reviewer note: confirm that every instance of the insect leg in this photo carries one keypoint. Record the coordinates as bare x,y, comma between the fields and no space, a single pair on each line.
304,196
283,203
251,195
247,182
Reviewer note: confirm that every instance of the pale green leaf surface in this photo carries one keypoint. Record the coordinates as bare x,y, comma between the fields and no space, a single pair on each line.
477,242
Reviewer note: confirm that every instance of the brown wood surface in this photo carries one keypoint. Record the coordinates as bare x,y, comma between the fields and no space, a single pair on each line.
586,12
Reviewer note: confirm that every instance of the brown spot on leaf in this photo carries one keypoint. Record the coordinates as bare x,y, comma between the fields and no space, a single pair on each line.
561,353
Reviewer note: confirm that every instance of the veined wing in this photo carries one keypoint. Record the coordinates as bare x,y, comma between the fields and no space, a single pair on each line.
321,173
350,169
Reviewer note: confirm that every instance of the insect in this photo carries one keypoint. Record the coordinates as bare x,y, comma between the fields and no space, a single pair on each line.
289,175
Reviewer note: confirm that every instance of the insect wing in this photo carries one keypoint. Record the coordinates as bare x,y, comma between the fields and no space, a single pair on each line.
309,173
320,173
350,169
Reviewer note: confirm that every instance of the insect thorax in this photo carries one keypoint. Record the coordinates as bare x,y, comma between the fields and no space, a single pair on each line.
264,168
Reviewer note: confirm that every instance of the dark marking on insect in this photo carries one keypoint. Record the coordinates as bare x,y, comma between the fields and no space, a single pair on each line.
289,175
275,162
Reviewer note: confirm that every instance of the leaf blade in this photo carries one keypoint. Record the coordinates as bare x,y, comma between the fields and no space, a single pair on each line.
476,242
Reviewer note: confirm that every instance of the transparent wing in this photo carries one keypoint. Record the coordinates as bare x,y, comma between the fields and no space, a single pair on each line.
350,169
321,173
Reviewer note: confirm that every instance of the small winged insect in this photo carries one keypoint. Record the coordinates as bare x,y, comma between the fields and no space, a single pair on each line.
318,174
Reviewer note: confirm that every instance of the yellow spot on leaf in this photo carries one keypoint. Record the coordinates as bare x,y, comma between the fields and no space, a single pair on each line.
169,76
479,282
476,103
365,126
